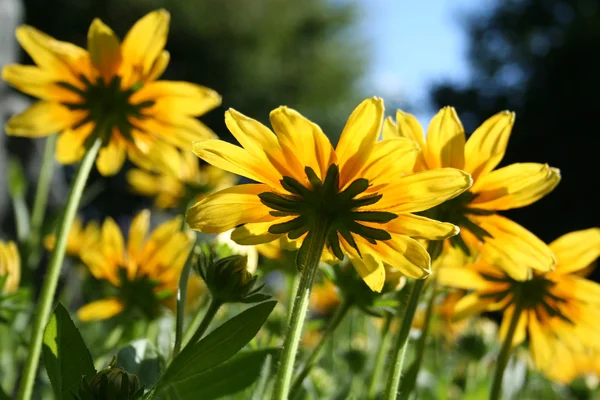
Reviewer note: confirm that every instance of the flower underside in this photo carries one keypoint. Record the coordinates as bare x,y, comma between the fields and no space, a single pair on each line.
324,201
533,294
140,294
107,104
457,211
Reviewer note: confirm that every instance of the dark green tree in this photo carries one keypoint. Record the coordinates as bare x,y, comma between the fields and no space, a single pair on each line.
541,59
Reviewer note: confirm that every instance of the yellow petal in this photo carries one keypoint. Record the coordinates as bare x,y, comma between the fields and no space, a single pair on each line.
146,40
137,233
486,146
576,250
175,98
358,138
390,159
578,288
42,119
261,143
38,83
253,234
100,266
59,58
402,253
160,65
421,227
520,331
236,160
179,131
538,342
70,144
461,277
100,309
514,186
229,208
407,126
371,270
423,190
10,267
470,305
445,140
105,49
303,139
111,157
513,248
143,182
157,239
153,154
112,241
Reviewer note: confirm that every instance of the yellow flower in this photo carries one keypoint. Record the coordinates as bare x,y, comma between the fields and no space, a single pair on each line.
79,238
513,186
358,190
109,91
10,267
175,189
555,308
145,272
324,298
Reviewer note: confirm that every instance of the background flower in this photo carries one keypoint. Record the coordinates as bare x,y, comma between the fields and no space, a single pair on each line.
109,91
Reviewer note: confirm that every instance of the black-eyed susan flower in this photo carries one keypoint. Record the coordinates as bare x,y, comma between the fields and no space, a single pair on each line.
80,238
474,211
359,197
189,183
144,272
554,308
109,91
10,267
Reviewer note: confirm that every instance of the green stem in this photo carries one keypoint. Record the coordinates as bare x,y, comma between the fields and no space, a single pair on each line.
181,298
307,261
213,307
261,385
504,355
46,299
380,358
393,379
410,379
41,200
339,315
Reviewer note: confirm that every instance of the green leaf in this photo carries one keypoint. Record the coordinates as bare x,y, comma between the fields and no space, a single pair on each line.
228,378
66,356
142,359
218,346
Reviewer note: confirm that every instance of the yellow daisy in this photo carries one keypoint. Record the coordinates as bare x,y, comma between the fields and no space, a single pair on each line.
109,91
359,195
191,182
80,238
144,273
10,267
513,186
553,307
324,298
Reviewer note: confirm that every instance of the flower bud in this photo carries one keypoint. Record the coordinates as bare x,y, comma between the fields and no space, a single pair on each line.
111,383
229,281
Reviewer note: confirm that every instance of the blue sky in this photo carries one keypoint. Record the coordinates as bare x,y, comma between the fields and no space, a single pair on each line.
413,44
